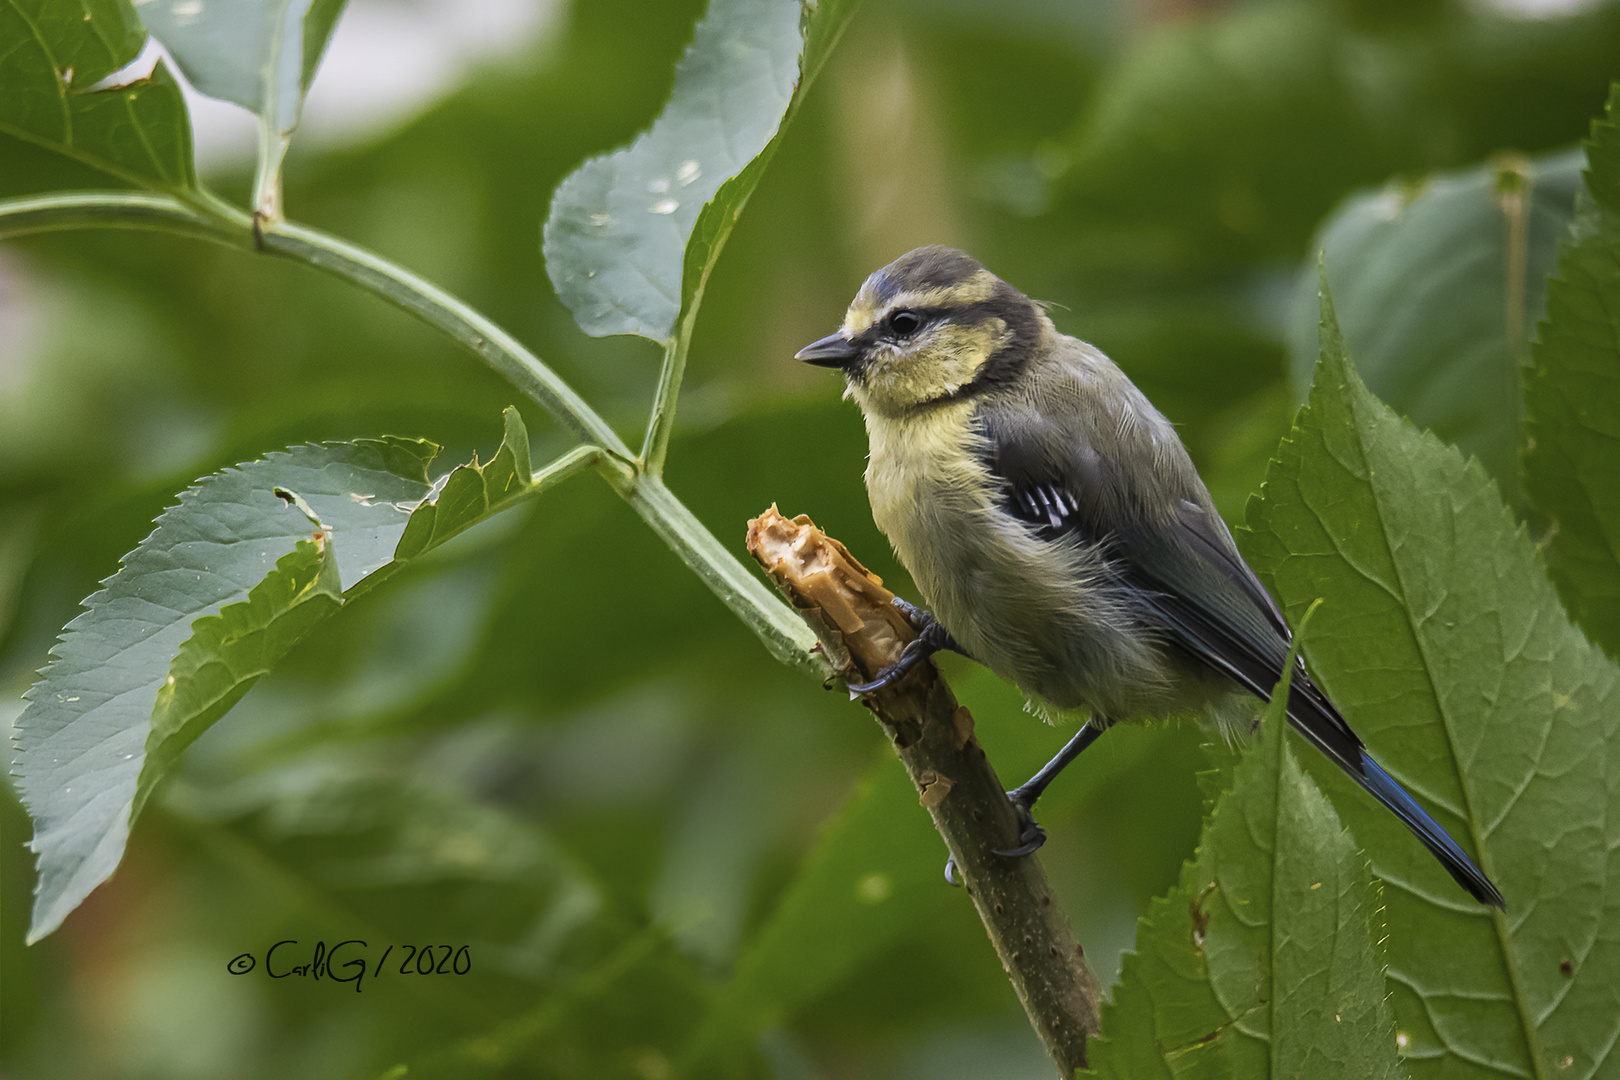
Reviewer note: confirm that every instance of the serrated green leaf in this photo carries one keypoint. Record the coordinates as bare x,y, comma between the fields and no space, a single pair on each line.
1476,245
205,606
471,493
260,54
631,236
1261,962
53,51
229,651
1572,399
1443,642
872,880
81,741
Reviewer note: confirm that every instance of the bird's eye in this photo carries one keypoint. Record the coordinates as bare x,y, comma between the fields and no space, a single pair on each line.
905,323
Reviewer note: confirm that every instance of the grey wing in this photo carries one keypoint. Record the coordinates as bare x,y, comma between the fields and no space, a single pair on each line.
1164,540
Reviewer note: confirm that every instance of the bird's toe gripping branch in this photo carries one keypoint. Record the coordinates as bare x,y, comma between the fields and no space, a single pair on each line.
931,638
1030,834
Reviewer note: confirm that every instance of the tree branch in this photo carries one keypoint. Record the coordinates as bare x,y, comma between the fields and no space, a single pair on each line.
861,631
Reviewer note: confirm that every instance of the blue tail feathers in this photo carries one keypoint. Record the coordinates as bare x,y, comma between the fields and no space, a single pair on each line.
1383,787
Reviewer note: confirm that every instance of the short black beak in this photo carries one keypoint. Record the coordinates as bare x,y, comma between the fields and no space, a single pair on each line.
834,350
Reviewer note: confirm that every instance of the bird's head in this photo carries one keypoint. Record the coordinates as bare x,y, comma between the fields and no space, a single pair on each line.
932,326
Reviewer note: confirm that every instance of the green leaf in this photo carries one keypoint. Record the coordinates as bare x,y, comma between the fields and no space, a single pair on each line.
1476,245
1572,399
631,235
260,54
206,605
1443,642
1261,962
53,52
471,493
228,652
873,879
80,742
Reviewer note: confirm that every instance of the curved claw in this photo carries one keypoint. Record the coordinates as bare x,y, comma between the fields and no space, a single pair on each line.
914,652
950,874
1030,836
931,637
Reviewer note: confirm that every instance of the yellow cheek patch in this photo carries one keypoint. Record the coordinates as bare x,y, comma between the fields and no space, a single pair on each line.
959,352
938,366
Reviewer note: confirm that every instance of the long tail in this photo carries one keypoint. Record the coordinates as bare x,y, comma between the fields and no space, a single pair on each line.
1384,788
1253,659
1314,717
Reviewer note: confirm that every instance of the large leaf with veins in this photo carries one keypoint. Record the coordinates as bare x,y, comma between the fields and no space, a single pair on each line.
1572,399
1442,640
1262,962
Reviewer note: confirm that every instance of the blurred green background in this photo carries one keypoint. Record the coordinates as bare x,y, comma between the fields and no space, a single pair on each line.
549,741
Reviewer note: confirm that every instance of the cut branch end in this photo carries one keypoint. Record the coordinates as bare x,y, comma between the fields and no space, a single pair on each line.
861,632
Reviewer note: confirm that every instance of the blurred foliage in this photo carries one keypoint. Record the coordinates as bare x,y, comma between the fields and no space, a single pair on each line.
550,742
1572,391
1477,244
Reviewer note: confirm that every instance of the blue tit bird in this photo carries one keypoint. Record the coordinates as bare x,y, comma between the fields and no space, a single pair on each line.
1057,529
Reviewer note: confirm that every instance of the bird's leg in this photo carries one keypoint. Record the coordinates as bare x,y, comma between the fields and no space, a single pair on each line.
1031,835
931,638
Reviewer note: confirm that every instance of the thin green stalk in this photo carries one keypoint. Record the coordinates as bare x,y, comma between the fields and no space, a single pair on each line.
227,225
208,218
778,626
108,210
267,180
661,423
655,447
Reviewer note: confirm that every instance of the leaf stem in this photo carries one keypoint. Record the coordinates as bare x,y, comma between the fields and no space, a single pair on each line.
661,422
206,217
655,447
221,223
782,631
267,178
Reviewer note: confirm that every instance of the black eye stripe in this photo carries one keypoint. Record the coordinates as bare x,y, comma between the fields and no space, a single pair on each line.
880,329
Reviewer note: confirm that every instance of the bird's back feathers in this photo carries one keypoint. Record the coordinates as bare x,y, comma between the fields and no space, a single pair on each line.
1169,547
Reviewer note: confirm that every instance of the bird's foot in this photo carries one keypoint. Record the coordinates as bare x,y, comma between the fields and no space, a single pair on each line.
931,638
916,616
1030,835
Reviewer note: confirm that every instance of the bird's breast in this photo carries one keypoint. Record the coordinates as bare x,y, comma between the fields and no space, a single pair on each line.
1048,614
924,460
932,495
